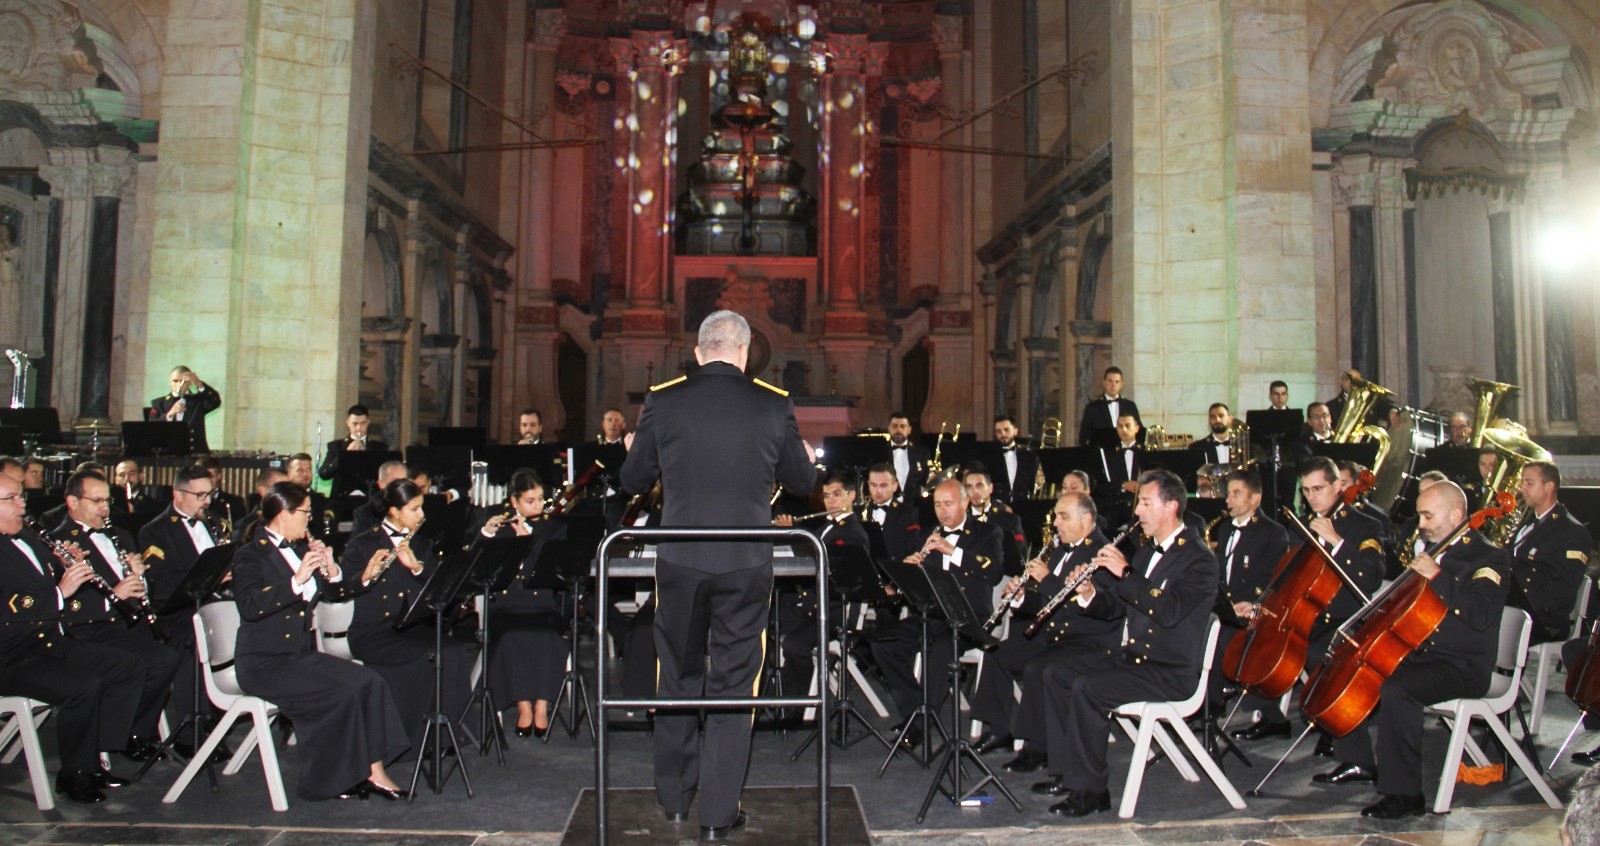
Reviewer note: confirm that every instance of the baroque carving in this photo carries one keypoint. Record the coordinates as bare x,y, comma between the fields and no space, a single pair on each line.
1451,54
44,46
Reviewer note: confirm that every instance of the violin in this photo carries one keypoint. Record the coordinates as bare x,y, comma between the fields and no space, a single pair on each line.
1344,691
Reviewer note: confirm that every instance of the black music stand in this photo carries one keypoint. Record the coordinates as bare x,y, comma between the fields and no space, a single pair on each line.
154,439
970,452
202,579
1362,454
448,584
11,440
506,459
963,622
852,578
859,453
1269,423
359,468
496,564
38,424
1184,462
913,584
565,563
1057,463
471,437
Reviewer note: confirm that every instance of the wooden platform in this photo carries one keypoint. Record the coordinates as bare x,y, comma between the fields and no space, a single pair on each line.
779,816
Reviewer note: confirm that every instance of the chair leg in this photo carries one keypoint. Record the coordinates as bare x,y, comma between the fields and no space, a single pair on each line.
28,744
1141,751
1541,687
203,754
1180,762
866,689
1218,778
269,757
1460,724
1529,769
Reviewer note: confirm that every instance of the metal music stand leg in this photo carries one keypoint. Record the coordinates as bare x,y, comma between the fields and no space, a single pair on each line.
958,751
437,725
1212,731
843,709
772,669
490,728
1286,753
924,713
574,690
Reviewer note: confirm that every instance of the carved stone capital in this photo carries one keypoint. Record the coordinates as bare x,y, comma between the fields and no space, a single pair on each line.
655,51
546,28
949,35
847,53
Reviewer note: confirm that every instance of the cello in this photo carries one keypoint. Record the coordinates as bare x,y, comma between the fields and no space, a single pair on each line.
1342,694
1268,657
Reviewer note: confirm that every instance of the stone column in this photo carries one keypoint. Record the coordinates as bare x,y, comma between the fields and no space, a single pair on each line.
255,267
1023,291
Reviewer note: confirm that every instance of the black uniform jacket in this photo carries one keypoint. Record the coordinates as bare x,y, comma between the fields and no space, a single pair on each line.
902,528
1013,542
981,548
1261,545
1007,490
1209,445
274,619
195,408
168,552
1473,578
30,604
1361,555
717,440
1168,611
1097,416
87,604
330,458
381,604
918,456
1068,620
1547,567
515,597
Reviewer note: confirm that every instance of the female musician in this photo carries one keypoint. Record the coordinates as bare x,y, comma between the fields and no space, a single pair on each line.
343,712
395,564
527,655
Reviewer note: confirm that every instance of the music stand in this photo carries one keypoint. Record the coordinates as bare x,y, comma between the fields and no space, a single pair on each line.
1107,438
1184,462
566,563
497,561
11,440
154,439
852,577
37,424
506,459
470,437
1057,463
911,580
1459,464
855,452
968,453
1362,454
201,580
1267,424
359,468
448,584
963,621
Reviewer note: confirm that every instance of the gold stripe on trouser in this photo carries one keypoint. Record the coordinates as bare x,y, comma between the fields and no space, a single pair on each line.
755,684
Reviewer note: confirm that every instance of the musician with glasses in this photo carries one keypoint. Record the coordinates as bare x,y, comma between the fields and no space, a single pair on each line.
94,689
1456,662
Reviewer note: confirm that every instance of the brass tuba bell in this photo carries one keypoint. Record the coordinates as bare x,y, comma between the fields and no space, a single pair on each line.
1352,427
1514,451
1486,406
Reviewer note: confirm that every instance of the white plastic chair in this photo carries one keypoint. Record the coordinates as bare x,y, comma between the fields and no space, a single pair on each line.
1548,654
1143,722
216,627
332,621
25,715
1515,627
861,685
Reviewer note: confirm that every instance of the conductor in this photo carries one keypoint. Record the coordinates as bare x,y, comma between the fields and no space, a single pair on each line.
712,597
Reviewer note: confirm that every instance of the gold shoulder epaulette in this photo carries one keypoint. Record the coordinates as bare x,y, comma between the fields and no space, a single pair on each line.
779,391
667,384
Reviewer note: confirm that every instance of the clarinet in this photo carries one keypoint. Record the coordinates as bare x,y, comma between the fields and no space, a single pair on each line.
95,580
141,605
1010,593
1066,592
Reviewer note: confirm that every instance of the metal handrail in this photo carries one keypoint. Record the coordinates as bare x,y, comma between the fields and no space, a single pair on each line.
820,701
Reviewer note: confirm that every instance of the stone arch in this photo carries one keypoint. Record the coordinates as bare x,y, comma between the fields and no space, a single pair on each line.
134,55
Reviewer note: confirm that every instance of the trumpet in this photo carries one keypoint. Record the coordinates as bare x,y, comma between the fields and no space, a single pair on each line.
1017,586
1066,592
59,548
393,554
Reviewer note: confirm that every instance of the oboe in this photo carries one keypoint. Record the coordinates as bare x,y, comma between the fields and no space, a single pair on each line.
1066,592
829,513
122,606
1016,588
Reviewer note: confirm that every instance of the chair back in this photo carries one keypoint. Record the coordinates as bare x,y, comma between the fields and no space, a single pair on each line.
332,621
216,631
1580,608
1516,627
1192,704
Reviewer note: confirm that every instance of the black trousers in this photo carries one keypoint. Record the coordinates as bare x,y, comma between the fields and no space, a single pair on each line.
158,663
895,648
1414,685
994,698
95,690
1080,691
710,641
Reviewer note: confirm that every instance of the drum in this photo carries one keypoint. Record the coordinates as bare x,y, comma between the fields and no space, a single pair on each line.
1418,431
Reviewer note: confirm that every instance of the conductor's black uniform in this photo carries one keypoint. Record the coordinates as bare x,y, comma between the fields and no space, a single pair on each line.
196,406
717,440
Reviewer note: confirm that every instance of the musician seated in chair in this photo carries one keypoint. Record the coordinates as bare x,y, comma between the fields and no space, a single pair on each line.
1066,632
1164,597
1457,661
1549,551
797,615
1248,546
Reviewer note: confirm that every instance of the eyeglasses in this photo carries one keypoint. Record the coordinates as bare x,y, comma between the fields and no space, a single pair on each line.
306,510
1312,490
834,494
198,494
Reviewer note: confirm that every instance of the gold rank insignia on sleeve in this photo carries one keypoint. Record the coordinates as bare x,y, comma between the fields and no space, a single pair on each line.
1155,593
154,551
779,391
1372,544
1487,573
667,384
1578,554
12,602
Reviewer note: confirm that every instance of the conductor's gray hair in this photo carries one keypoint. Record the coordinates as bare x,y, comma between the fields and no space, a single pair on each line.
1581,826
722,334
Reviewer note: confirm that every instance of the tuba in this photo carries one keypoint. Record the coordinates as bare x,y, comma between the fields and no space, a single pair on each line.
1514,450
1352,427
1486,408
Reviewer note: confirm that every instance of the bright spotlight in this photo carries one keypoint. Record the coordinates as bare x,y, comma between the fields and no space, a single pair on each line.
1562,248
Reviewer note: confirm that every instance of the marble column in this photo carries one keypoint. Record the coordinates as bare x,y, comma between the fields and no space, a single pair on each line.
1023,308
952,393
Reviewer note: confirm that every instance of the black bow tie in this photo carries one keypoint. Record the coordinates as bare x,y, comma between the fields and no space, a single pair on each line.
1008,448
1160,550
98,531
285,543
395,533
193,521
899,446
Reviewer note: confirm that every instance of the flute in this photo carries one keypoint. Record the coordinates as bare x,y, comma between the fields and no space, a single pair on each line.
1066,592
804,517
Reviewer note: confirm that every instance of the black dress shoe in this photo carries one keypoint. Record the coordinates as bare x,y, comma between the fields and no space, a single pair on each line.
1054,787
524,731
1324,746
719,832
1587,759
393,794
1261,730
1391,806
913,737
104,780
1027,761
359,791
989,743
140,751
1346,774
675,816
1082,803
80,787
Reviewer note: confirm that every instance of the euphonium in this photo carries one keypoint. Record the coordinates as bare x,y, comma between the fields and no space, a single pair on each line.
1352,426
